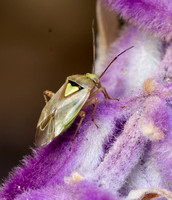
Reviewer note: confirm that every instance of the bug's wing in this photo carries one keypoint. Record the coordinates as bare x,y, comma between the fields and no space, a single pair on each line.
44,132
57,118
69,109
46,126
52,104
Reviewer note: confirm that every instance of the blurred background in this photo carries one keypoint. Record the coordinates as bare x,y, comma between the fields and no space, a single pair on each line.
41,43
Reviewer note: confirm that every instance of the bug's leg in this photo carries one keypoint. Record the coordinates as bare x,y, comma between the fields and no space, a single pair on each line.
103,90
93,101
107,95
49,94
82,114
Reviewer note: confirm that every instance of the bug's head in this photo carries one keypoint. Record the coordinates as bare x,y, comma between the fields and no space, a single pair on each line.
94,78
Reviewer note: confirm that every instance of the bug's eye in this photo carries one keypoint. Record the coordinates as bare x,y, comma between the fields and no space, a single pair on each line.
96,80
72,87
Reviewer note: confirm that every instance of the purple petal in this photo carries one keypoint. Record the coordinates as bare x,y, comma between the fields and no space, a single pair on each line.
51,164
128,73
83,190
123,156
151,16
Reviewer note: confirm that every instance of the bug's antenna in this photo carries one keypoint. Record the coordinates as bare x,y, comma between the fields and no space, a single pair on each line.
94,46
114,60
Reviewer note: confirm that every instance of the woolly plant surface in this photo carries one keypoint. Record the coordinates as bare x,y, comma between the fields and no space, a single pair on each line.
129,155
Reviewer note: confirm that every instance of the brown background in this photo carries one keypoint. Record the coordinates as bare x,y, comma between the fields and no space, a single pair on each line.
41,43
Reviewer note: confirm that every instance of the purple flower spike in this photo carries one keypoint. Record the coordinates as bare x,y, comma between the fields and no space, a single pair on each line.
122,157
149,15
129,155
83,190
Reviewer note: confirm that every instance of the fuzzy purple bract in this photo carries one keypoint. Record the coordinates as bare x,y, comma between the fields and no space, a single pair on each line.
129,155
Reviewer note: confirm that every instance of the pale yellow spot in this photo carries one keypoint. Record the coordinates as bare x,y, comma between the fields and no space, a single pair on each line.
75,177
70,89
152,132
149,86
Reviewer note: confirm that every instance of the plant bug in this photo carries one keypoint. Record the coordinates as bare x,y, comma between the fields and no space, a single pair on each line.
67,103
